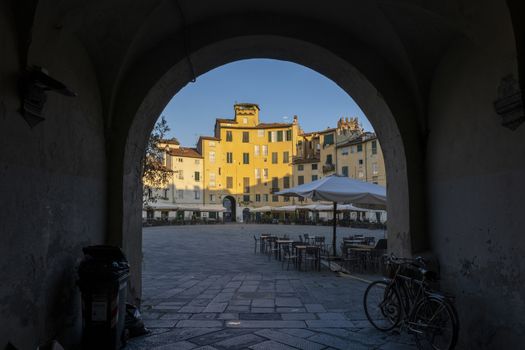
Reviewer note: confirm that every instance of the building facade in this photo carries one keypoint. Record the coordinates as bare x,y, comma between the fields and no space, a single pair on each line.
246,162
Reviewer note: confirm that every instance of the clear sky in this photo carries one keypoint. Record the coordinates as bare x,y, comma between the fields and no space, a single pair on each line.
281,89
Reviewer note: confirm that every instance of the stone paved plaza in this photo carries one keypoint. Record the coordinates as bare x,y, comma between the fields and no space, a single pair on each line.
204,288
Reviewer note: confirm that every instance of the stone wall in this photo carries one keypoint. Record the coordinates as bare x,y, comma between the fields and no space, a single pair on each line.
476,186
52,190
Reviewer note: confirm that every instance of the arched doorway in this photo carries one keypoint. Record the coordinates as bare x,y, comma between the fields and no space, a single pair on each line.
229,204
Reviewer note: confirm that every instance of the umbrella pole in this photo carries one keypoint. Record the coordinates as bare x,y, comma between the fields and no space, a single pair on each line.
335,225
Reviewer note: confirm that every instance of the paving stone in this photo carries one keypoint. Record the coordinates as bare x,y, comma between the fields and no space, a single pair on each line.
212,338
335,342
228,316
262,310
215,307
166,307
238,308
289,339
290,309
175,335
260,316
204,316
288,302
271,345
315,308
159,323
303,333
181,345
191,309
247,288
239,342
328,323
198,324
299,316
263,303
175,316
264,324
331,316
241,302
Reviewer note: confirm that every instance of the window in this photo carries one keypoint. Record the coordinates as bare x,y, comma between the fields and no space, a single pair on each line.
270,136
360,148
229,182
245,136
265,173
212,143
180,194
328,159
265,150
286,199
211,156
300,167
229,137
275,157
256,150
275,198
344,151
265,197
361,174
197,161
314,166
213,215
197,176
374,147
257,173
181,174
246,158
345,171
219,171
352,149
212,180
275,183
260,133
375,170
279,136
328,139
286,182
180,160
300,180
246,184
288,135
197,191
286,157
257,197
246,198
360,162
314,177
245,120
166,193
229,157
212,198
375,180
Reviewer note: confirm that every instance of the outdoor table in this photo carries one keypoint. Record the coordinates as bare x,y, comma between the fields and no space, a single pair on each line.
302,248
263,237
280,243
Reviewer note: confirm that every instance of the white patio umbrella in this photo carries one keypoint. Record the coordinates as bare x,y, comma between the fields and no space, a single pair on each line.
286,208
264,209
339,189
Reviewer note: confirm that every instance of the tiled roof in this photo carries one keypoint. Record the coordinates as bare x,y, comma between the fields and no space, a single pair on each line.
213,138
273,125
185,152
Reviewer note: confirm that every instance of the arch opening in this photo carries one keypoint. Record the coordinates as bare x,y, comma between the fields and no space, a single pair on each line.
404,213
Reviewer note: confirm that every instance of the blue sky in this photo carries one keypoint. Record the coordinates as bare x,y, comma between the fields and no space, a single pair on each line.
281,89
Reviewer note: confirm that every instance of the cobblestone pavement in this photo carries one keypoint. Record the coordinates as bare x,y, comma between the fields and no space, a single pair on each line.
204,288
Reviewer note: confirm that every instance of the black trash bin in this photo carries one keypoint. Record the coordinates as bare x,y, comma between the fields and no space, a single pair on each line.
103,276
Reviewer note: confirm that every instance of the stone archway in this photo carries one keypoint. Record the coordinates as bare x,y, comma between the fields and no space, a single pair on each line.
406,213
230,204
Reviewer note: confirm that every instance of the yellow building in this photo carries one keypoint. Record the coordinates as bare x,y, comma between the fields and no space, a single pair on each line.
246,161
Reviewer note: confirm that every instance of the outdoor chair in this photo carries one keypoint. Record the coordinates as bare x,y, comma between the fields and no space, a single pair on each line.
370,240
300,238
320,241
256,242
288,255
311,257
306,238
376,254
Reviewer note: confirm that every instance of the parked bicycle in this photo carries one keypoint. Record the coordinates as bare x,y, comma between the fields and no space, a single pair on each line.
405,300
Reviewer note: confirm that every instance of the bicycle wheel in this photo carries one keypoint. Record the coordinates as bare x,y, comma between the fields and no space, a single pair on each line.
434,324
382,306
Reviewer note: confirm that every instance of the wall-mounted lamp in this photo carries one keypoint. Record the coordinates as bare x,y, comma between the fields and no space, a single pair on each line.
34,84
509,104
